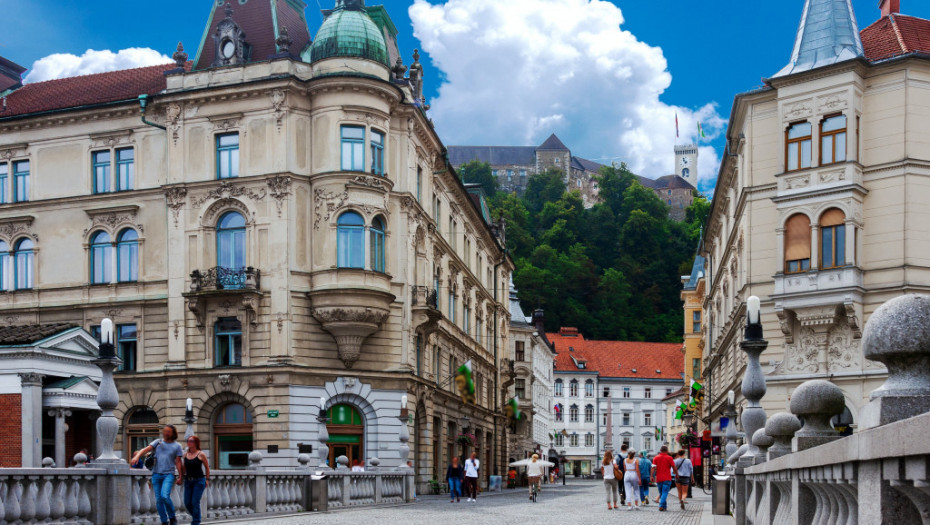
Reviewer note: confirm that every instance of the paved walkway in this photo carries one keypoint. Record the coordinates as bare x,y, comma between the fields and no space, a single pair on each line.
578,503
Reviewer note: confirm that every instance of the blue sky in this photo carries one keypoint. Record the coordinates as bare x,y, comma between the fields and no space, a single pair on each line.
713,51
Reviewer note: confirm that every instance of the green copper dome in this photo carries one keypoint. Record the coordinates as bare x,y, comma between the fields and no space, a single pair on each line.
349,32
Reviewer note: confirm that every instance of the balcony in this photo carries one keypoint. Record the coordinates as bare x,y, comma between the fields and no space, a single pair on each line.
240,285
424,307
817,282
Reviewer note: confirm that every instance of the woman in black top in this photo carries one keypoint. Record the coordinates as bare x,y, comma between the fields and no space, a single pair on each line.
195,475
455,474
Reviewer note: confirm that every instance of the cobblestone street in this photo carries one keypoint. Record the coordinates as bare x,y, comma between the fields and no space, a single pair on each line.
578,503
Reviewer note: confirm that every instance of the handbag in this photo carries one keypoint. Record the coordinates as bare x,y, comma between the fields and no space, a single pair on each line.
150,459
617,473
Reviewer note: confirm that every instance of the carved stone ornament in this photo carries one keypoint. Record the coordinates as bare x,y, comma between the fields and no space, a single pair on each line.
175,198
283,42
798,110
842,349
279,188
349,327
179,56
797,182
830,103
229,41
278,96
172,120
832,176
12,150
112,139
13,227
227,191
113,219
326,203
367,181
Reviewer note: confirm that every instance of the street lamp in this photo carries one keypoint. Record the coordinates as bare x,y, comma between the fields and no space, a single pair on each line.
323,437
107,396
189,419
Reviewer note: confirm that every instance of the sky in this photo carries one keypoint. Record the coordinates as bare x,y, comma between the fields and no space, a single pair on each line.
607,76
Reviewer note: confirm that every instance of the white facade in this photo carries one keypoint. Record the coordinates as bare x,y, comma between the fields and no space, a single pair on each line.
577,423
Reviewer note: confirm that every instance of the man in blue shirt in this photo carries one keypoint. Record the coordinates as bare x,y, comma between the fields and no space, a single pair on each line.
645,472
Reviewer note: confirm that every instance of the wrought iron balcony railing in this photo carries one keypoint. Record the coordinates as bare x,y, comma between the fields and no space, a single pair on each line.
222,278
425,296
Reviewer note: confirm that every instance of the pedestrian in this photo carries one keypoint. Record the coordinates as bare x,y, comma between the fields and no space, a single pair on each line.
512,478
685,478
645,469
471,477
137,464
168,454
631,479
619,460
195,477
410,466
663,471
534,472
357,466
454,475
611,477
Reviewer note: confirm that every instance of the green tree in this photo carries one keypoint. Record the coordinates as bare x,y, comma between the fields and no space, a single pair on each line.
543,187
475,172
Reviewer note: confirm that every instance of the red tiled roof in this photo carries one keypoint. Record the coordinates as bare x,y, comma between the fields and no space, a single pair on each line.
896,35
86,90
617,358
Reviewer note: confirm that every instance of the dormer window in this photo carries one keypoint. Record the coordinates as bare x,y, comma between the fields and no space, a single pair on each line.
228,49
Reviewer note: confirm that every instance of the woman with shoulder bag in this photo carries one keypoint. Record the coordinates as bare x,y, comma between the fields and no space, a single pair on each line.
165,461
611,477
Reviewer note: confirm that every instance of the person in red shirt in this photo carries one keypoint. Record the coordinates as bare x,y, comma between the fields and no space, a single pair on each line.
663,471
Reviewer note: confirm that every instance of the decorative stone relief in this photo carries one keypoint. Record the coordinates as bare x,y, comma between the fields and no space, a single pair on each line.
368,118
807,355
797,182
279,188
226,124
175,198
13,227
842,351
173,121
111,140
111,219
832,176
278,97
830,103
367,181
227,191
12,150
798,110
326,203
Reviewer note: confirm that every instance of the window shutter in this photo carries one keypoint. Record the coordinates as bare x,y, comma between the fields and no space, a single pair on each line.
832,217
798,238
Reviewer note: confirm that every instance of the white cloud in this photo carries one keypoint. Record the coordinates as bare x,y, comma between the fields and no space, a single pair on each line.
61,65
518,70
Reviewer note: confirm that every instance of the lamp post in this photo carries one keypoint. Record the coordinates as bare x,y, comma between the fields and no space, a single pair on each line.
323,438
189,419
107,396
404,433
753,344
731,434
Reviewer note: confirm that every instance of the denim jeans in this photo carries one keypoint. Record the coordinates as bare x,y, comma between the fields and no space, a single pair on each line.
644,489
162,485
455,488
193,491
664,487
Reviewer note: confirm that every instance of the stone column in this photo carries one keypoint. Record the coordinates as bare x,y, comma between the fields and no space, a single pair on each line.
31,402
815,246
60,428
851,252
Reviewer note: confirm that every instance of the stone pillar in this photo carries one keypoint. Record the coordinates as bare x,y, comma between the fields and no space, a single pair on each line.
753,389
898,336
815,245
31,419
851,250
60,428
816,402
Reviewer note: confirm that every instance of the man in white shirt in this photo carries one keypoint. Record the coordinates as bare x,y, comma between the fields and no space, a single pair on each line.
471,477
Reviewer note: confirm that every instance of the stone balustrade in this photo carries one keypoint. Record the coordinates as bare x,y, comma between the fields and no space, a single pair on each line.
95,495
881,474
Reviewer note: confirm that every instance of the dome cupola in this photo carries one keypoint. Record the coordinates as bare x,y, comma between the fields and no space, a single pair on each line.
348,32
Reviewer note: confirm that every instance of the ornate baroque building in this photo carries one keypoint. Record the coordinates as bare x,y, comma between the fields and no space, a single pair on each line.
820,205
279,227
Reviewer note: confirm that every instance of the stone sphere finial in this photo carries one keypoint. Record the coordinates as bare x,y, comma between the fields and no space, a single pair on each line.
781,427
374,462
762,440
303,460
80,459
342,462
255,458
816,402
48,463
898,336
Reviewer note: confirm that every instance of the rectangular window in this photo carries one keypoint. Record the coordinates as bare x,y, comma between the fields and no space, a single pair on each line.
798,154
647,442
519,388
126,339
522,176
626,392
437,208
520,351
466,320
647,419
606,391
668,392
696,322
101,168
833,140
647,393
573,440
559,440
696,368
419,184
573,388
21,181
557,389
626,419
589,414
604,420
353,148
573,414
798,244
419,356
4,179
589,389
228,342
833,246
227,156
589,440
377,153
509,175
125,169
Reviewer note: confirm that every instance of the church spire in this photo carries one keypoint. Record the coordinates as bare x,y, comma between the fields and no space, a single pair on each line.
827,35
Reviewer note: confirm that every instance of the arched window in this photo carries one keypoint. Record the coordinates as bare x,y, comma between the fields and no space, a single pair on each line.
101,257
573,388
589,413
685,173
573,413
23,262
346,429
141,428
127,256
350,240
232,431
558,388
832,239
227,342
377,153
589,388
6,270
230,241
798,244
377,244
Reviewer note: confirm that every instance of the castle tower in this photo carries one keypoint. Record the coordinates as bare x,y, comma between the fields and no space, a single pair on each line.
686,160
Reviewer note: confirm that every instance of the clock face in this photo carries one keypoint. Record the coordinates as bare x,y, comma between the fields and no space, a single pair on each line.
685,161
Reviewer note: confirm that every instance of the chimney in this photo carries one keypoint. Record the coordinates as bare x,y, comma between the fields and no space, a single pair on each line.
889,7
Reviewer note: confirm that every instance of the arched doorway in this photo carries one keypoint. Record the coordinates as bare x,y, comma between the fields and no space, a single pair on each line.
346,434
141,429
232,436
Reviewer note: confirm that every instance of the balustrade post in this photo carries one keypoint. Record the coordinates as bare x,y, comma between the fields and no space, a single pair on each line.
816,402
378,489
781,427
753,388
762,441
